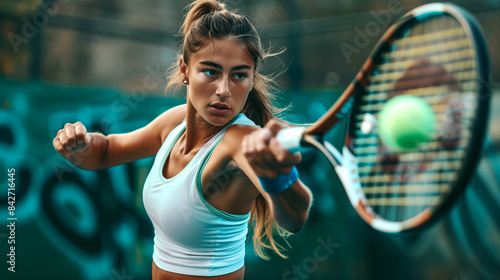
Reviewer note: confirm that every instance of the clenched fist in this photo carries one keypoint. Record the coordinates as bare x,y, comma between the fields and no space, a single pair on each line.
72,138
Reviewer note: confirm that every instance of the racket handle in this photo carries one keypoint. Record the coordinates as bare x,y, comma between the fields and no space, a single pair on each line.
290,138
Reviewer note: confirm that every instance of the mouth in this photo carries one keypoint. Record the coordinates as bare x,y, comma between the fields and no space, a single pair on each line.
219,107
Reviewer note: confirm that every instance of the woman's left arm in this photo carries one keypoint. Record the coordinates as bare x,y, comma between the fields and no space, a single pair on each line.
263,157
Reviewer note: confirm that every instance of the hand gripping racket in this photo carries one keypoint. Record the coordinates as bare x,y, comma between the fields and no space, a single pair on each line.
435,52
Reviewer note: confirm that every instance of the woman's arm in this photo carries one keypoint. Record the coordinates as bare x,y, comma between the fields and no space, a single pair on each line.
262,156
91,151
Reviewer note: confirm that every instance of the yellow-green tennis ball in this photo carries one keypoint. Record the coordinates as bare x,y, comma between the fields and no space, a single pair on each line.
405,121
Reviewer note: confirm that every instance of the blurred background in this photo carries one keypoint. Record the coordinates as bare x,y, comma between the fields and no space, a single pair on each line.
103,62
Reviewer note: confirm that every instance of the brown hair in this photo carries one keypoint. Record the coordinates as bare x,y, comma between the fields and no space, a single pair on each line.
208,20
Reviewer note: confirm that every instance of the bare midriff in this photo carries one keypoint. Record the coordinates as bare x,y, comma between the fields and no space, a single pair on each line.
160,274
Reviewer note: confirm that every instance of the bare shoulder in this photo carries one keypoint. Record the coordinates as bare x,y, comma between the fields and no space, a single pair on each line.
235,133
170,119
233,138
143,142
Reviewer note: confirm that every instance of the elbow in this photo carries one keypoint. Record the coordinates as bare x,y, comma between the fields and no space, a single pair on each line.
295,228
296,225
301,217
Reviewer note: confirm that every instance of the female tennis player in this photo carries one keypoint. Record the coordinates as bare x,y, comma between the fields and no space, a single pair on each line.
216,170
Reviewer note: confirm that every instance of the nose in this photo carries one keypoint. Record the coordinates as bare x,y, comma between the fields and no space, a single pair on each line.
223,87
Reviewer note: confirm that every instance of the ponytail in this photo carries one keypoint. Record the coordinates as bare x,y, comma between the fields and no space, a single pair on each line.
197,9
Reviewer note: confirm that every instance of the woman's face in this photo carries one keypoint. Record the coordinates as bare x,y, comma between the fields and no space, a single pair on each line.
220,77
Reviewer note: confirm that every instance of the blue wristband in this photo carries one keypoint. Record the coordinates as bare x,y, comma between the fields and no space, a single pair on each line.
281,183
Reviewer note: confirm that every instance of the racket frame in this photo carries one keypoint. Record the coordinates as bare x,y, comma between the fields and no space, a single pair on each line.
346,164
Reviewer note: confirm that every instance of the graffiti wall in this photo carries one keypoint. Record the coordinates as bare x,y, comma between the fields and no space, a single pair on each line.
70,223
60,222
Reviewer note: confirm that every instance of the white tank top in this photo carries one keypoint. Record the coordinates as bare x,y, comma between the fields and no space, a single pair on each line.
191,236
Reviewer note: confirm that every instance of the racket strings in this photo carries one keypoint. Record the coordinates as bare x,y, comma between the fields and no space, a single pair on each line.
367,153
380,81
460,44
435,101
448,57
459,65
432,60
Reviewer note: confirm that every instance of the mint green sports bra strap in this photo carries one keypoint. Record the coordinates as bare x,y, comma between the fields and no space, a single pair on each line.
220,213
206,157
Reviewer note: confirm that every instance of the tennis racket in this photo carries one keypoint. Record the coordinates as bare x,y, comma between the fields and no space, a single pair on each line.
438,53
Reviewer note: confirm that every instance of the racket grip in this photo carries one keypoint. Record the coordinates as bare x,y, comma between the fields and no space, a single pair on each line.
290,138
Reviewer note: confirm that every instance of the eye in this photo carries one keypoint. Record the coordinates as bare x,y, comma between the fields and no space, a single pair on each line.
240,76
210,72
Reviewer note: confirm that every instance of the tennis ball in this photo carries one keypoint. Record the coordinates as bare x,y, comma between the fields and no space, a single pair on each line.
405,121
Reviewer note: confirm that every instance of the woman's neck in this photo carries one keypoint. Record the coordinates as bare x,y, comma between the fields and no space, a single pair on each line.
198,131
